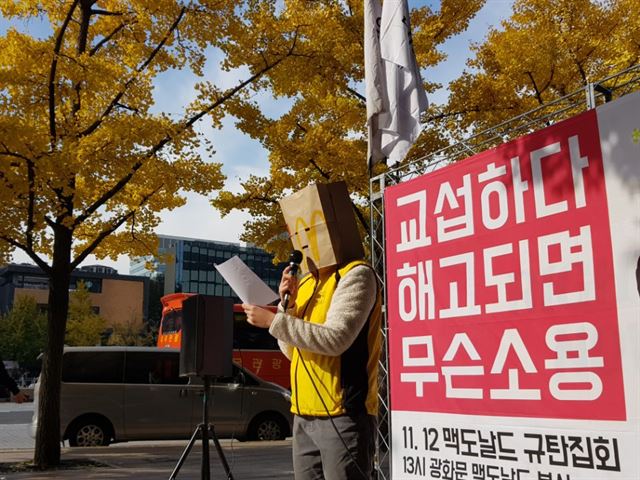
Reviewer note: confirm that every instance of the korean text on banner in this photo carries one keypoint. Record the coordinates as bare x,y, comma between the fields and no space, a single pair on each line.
510,277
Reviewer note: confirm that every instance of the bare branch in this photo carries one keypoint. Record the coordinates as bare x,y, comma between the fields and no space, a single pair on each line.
49,221
131,80
31,192
187,124
362,98
52,74
8,153
106,39
443,115
117,223
30,253
106,12
325,175
30,204
535,88
127,107
132,232
261,198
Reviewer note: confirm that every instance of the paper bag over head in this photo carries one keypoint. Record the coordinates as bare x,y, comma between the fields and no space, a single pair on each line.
322,225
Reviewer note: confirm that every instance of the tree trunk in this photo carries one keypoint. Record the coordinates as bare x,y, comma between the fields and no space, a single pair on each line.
47,449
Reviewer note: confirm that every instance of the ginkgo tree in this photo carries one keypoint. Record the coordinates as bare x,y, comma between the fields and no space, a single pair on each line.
544,51
86,164
322,136
84,326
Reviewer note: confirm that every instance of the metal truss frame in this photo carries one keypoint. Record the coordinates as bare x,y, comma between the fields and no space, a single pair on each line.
586,98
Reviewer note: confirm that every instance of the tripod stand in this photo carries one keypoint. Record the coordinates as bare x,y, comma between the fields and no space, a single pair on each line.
206,429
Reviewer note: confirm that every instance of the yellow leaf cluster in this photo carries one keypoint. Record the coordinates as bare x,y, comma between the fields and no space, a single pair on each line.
546,50
87,162
322,135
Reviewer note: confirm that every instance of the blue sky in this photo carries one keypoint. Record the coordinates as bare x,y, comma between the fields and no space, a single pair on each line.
239,154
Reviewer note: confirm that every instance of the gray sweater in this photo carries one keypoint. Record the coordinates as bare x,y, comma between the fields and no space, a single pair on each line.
350,307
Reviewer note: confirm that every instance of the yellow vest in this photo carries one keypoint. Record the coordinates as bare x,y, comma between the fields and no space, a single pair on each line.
323,385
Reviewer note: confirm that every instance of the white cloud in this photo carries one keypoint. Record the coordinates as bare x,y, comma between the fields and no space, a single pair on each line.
198,219
241,156
458,48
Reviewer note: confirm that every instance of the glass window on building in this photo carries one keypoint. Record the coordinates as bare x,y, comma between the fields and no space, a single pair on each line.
31,281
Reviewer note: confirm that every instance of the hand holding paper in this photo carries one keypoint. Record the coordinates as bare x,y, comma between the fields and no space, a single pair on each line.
245,283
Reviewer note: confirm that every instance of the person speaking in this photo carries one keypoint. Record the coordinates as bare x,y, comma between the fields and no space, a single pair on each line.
328,325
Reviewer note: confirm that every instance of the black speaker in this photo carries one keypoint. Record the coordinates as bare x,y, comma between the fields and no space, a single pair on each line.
207,336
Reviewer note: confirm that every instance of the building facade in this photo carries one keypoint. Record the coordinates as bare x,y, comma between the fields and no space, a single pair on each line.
192,265
119,299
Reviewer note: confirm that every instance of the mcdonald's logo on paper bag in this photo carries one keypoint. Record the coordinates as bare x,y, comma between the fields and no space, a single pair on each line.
322,225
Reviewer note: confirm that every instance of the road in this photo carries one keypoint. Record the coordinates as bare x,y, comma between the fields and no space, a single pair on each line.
14,425
16,415
140,460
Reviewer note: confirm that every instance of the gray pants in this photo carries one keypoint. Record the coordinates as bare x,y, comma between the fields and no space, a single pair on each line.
319,452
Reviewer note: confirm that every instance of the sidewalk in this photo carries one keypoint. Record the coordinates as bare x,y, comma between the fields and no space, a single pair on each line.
14,437
156,460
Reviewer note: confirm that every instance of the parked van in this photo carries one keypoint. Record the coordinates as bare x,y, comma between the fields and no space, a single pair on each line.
117,394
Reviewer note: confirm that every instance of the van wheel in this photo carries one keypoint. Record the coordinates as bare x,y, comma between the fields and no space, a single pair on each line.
89,432
268,426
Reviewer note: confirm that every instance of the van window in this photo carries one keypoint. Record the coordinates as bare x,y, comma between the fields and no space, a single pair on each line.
92,367
145,368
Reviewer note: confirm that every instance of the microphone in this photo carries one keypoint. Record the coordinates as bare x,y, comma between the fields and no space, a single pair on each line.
294,262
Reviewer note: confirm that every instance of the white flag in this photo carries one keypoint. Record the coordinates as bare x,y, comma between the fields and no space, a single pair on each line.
374,76
400,122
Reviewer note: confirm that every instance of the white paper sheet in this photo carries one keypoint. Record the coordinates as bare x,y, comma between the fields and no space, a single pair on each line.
245,283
